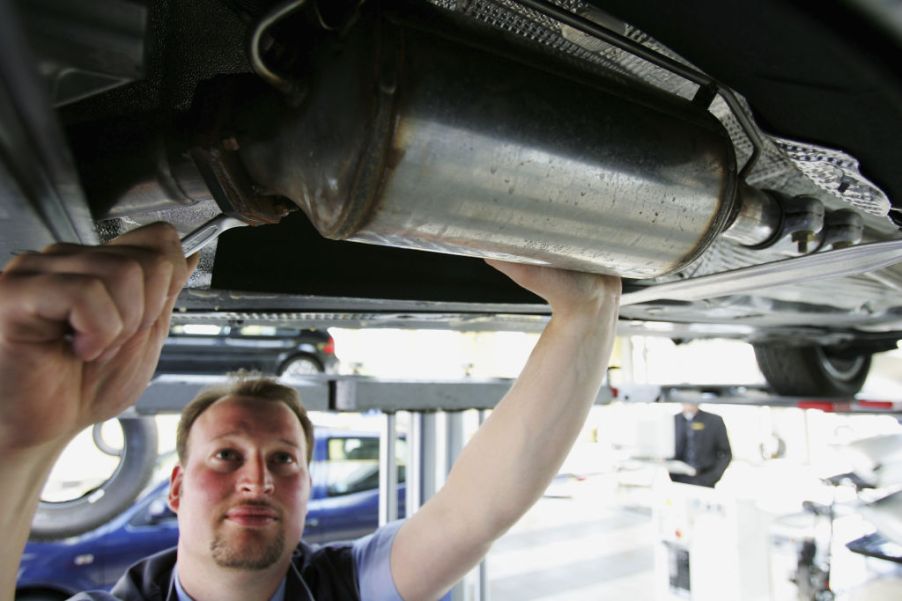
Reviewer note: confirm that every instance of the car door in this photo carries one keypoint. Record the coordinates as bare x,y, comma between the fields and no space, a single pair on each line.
349,503
151,528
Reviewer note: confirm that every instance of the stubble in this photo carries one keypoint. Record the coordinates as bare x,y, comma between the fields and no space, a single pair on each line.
257,554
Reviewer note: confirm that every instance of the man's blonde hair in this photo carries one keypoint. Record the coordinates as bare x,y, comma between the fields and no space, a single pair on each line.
248,385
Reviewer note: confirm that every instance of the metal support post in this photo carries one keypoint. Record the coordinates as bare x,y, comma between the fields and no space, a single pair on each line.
454,444
482,589
455,438
413,499
388,472
422,457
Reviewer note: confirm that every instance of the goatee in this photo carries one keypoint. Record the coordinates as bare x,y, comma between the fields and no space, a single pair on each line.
258,555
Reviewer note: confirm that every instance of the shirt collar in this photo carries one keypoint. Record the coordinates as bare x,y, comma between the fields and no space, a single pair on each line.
279,595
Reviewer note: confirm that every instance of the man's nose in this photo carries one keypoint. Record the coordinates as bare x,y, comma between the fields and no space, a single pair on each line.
256,477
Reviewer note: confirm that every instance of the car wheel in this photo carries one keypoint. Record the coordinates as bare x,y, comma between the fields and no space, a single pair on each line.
300,366
136,465
812,370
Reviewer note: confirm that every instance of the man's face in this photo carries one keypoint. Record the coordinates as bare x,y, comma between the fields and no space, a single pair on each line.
241,496
690,408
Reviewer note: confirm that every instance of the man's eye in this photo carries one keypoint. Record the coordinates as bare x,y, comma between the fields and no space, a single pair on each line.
284,458
226,455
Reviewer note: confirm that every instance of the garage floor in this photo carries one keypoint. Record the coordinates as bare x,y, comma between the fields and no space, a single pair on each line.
579,549
576,550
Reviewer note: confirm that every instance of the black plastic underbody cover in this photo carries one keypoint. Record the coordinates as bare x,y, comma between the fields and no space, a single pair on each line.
821,72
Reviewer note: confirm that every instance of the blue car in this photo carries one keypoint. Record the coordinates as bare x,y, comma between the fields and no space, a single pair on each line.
343,505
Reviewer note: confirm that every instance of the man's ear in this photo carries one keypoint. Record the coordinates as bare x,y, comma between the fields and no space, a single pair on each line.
175,488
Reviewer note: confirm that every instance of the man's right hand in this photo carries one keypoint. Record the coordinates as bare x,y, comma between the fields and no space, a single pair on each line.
81,330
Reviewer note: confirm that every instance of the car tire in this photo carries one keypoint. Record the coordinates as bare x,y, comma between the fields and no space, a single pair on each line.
136,465
811,370
300,365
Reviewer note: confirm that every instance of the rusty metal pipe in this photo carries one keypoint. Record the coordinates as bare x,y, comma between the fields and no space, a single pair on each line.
425,131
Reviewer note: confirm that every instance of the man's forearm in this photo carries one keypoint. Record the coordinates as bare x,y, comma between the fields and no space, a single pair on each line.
22,477
80,330
508,464
511,460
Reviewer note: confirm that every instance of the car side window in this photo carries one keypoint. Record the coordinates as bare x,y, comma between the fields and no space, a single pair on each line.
353,464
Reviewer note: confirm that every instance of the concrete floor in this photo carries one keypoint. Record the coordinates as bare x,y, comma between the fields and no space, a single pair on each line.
583,548
577,550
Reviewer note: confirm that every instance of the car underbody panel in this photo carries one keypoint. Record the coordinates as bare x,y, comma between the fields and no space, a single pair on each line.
751,133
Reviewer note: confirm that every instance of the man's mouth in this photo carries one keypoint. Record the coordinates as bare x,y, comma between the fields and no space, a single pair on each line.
252,516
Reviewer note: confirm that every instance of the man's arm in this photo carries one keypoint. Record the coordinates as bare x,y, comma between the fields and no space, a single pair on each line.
717,450
80,333
679,437
722,450
510,461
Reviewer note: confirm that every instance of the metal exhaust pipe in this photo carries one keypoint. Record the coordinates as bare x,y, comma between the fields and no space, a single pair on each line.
420,129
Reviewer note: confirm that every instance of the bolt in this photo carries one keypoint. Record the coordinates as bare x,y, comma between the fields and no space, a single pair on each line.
802,238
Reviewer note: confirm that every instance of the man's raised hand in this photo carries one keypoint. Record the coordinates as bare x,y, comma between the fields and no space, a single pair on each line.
81,330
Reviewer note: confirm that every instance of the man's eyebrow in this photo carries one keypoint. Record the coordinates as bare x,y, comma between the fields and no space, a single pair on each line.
226,434
290,443
285,441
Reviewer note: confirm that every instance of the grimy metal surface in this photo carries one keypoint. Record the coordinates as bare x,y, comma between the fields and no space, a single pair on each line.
38,182
828,264
466,150
554,172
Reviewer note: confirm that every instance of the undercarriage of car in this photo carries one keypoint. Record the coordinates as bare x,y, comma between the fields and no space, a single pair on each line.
735,162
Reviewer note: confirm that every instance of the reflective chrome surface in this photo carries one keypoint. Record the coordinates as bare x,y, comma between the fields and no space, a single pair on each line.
758,219
207,233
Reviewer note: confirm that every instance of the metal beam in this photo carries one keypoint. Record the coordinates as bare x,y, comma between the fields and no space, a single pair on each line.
169,394
753,395
361,394
354,393
328,392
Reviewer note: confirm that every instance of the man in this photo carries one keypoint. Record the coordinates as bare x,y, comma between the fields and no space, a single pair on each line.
702,443
80,333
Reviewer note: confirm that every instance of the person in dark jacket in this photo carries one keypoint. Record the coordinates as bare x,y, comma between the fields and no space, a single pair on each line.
80,334
702,443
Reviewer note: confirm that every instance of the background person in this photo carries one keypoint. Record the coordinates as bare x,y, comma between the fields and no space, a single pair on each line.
701,442
80,333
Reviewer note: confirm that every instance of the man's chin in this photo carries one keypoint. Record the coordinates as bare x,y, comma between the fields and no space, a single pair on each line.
248,552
